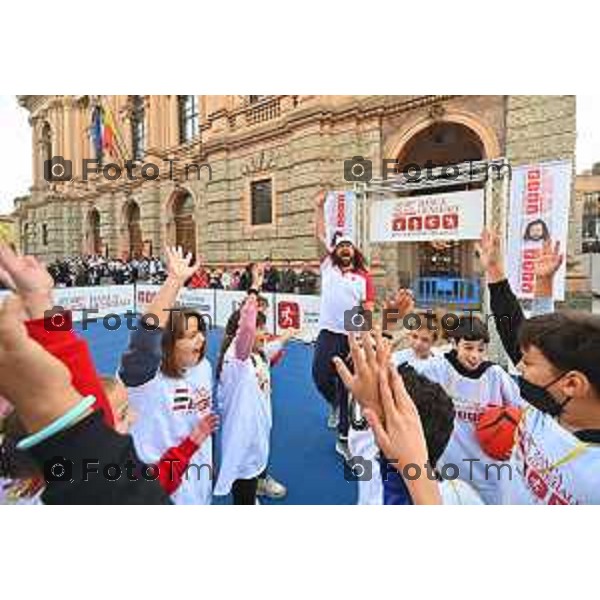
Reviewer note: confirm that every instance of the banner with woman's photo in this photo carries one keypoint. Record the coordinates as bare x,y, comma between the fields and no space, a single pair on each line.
539,210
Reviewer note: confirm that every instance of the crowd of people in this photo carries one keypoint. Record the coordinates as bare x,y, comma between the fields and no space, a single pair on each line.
288,280
437,419
95,270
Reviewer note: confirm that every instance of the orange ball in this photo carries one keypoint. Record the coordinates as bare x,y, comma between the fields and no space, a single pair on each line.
495,431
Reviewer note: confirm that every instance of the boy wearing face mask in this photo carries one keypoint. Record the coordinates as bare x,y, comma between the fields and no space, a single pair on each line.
557,453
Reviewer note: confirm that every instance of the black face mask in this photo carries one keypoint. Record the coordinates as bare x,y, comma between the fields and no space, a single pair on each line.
541,398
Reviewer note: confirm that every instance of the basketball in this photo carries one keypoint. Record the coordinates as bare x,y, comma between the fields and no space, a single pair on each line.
496,431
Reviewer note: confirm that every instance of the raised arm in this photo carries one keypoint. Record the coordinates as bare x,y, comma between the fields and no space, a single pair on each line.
246,334
506,310
141,360
320,221
179,270
32,282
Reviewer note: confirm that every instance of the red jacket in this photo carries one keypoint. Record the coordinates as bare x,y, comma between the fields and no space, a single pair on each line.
73,351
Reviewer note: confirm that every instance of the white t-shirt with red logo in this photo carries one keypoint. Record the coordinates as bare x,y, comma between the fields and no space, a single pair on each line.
244,394
340,292
551,466
471,397
167,409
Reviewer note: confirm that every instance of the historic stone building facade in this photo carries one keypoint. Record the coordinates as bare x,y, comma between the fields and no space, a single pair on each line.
268,158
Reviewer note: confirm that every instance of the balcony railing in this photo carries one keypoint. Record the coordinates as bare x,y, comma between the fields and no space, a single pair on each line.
258,112
436,291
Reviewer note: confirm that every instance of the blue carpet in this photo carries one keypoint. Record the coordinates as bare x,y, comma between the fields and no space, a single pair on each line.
302,448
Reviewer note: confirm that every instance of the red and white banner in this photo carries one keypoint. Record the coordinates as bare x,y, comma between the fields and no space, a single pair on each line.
285,311
106,300
298,312
202,300
340,215
455,216
539,210
112,299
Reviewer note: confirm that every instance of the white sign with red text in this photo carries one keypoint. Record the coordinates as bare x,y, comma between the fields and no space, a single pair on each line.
455,216
301,312
340,215
539,210
97,301
202,300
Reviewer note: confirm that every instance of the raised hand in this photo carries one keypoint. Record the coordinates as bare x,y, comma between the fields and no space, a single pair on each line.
369,357
179,267
36,383
320,198
400,305
24,274
400,436
549,261
546,266
258,276
204,428
489,250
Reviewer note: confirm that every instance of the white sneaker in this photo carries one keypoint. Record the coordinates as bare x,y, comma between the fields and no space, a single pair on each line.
271,488
341,447
334,418
256,502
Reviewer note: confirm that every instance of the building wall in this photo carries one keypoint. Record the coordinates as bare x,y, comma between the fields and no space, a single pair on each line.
301,142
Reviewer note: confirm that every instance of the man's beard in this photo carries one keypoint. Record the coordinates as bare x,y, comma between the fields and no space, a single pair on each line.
345,260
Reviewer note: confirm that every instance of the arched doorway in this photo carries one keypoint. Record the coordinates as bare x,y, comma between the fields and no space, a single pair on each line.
94,245
134,230
185,224
445,264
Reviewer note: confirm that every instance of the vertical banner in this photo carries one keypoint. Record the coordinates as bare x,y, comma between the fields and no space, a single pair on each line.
539,210
340,215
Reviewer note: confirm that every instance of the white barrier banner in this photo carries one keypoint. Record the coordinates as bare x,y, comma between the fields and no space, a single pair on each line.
299,312
112,299
228,302
285,311
201,299
454,215
539,210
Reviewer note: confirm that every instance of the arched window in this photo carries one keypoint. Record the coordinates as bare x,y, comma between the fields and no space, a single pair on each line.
45,234
189,118
138,127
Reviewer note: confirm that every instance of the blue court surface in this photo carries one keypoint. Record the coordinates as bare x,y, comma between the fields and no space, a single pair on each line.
302,448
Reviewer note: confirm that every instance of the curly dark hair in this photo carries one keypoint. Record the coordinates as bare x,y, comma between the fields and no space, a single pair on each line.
435,408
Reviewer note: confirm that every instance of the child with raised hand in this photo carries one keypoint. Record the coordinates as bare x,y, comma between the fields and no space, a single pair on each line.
32,282
556,459
169,384
59,422
244,390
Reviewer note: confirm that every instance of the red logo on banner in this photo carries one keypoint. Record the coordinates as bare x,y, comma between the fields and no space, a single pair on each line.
399,224
288,315
432,222
450,221
415,223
